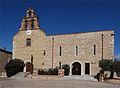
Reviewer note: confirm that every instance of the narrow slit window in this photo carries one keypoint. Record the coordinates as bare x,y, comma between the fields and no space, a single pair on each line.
26,24
94,50
28,42
76,50
60,65
32,25
29,13
44,53
60,53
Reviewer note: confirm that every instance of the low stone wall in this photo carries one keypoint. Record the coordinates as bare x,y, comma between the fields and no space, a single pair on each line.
46,77
115,81
3,78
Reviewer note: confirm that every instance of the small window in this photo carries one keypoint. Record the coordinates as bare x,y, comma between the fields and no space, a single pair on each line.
60,51
59,65
112,34
44,52
94,49
28,42
43,63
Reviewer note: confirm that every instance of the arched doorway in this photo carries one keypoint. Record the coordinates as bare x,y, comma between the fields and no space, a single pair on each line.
76,68
29,67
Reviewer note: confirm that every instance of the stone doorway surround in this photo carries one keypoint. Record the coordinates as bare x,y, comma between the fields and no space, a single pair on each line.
25,64
71,66
76,68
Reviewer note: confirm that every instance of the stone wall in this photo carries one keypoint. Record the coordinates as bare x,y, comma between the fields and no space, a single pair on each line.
5,56
42,43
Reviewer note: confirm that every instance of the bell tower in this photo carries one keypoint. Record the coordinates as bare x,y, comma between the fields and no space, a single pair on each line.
30,21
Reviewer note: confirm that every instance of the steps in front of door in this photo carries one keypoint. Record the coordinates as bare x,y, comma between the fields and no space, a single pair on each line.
77,77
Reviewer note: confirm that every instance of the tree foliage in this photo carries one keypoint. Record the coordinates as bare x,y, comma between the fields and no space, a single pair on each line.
117,66
14,66
106,64
66,67
110,65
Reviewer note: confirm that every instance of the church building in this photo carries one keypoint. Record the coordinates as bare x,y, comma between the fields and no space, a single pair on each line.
81,51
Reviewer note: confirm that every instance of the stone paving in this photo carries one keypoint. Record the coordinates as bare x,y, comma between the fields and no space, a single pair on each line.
49,81
32,83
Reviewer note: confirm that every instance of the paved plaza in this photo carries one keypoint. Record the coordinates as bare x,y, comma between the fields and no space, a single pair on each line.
54,84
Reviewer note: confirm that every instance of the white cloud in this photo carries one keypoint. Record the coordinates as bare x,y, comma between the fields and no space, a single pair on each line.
117,57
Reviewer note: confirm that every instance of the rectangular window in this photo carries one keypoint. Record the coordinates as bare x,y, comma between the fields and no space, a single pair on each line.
60,51
94,49
76,50
28,42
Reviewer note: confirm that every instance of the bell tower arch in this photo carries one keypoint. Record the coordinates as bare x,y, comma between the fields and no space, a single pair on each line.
30,21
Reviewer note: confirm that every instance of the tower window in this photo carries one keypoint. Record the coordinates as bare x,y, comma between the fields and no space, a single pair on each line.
26,24
29,13
60,52
94,49
28,42
76,50
32,25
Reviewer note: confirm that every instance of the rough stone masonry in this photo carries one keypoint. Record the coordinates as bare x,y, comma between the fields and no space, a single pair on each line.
81,51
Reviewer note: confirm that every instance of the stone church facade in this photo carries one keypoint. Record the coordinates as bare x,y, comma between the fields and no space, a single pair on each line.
81,51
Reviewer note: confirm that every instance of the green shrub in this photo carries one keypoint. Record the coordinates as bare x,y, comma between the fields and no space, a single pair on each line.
66,68
40,71
54,71
14,66
51,71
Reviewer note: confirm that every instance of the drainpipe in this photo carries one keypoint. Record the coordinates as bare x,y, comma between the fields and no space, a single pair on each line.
102,46
31,59
52,50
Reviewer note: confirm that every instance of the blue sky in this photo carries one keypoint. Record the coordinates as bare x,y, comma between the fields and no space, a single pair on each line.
60,17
